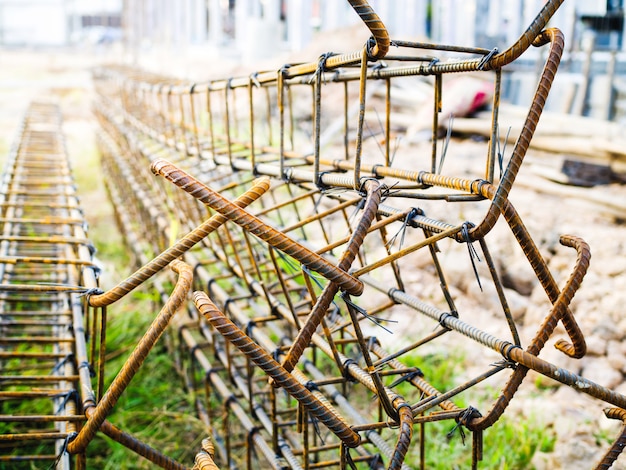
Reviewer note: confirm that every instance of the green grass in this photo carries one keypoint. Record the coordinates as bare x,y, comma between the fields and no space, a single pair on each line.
508,444
154,408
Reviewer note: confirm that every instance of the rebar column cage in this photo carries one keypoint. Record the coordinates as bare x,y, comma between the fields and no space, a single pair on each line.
43,250
317,244
323,132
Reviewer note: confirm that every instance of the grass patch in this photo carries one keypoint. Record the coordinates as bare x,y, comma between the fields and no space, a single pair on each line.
508,444
154,408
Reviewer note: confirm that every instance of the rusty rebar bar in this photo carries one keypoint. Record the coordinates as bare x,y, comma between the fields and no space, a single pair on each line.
257,227
544,332
271,367
618,446
135,360
204,458
41,243
175,251
266,294
302,340
375,25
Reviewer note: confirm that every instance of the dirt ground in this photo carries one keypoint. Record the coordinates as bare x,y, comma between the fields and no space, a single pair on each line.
63,75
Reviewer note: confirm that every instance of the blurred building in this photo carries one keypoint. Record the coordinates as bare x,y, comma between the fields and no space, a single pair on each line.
263,26
166,34
590,79
59,22
290,24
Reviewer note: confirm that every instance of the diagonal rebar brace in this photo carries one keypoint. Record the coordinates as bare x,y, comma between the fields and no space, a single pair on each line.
135,360
271,367
259,187
546,329
617,447
373,189
257,227
376,27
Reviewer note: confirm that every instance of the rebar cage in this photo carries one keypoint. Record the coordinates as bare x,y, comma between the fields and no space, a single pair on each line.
313,234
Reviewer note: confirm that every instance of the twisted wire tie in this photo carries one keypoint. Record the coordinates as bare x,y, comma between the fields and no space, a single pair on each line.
91,291
311,386
287,175
402,231
406,377
254,80
444,315
70,437
433,62
320,184
66,397
86,364
321,66
61,363
363,180
472,251
344,370
487,58
462,420
375,320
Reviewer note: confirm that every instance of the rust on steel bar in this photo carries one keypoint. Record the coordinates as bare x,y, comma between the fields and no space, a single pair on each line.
302,340
204,458
282,378
557,42
375,25
134,362
363,377
545,330
40,244
317,201
257,227
310,368
618,446
140,448
175,251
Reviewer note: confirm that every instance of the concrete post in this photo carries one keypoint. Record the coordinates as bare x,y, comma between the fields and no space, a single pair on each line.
299,14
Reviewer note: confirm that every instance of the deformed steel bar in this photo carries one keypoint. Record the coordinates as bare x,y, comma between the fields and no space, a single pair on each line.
363,377
134,362
196,352
332,392
375,25
546,329
28,214
175,251
618,446
136,445
280,375
302,340
257,227
204,458
263,292
514,353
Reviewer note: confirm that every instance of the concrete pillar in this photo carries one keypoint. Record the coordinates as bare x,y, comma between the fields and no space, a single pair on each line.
243,10
258,30
299,32
198,18
407,19
335,15
216,25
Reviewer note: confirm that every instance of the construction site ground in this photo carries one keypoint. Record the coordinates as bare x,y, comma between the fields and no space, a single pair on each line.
65,76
